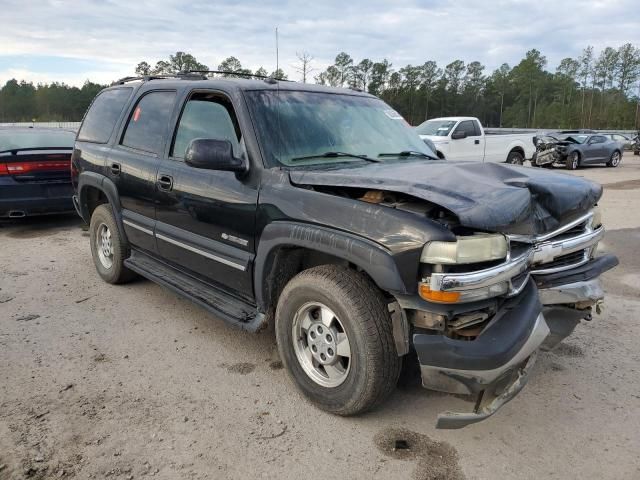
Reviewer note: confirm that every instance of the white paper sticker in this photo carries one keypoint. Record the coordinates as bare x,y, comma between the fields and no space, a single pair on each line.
393,115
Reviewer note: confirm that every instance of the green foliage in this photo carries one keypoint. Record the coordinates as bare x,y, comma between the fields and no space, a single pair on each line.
587,92
180,62
24,102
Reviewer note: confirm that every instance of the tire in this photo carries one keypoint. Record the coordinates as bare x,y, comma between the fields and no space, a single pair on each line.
615,159
370,373
515,158
573,161
110,267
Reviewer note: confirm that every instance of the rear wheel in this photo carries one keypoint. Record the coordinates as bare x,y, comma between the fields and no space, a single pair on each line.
573,161
515,158
108,248
335,339
615,159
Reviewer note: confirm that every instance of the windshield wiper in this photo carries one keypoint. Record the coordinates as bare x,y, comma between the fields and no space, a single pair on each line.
408,153
334,155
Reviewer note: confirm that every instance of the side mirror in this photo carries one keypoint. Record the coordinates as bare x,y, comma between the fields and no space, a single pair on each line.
458,135
210,154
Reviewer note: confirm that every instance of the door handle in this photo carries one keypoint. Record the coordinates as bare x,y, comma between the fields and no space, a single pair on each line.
477,142
165,182
115,168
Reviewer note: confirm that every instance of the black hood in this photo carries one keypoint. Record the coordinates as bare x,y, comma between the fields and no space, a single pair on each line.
485,196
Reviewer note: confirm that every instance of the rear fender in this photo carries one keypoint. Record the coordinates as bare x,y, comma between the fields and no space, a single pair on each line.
106,186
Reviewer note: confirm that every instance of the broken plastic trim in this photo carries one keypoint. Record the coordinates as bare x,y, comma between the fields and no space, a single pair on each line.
487,407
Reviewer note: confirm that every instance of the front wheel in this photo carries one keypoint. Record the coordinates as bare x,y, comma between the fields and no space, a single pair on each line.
573,161
335,338
515,158
614,160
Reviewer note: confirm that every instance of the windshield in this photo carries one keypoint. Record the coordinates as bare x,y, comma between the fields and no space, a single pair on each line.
435,128
26,138
301,128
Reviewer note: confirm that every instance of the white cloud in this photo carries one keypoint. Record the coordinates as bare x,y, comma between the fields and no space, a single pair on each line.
122,33
76,79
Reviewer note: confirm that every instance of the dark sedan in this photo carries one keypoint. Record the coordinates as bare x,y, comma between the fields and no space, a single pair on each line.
577,150
35,171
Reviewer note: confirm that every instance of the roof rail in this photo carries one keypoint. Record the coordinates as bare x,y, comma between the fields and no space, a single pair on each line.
195,75
236,74
146,78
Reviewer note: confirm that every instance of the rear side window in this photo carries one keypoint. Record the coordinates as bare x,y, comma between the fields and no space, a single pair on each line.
147,125
103,115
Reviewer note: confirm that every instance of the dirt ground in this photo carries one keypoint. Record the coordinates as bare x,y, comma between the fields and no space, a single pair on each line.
122,382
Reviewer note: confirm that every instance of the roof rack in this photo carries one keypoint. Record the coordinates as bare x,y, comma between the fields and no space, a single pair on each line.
196,75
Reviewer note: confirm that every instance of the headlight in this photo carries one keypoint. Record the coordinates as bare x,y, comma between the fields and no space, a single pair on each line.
473,249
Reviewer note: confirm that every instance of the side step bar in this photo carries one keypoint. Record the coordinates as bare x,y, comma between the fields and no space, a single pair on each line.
232,310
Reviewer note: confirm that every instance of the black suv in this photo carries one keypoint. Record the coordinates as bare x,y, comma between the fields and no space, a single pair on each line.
322,211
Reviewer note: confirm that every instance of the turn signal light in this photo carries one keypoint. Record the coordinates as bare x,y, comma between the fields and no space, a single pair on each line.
436,295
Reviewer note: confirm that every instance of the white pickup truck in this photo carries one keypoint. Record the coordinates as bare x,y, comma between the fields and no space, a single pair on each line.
463,138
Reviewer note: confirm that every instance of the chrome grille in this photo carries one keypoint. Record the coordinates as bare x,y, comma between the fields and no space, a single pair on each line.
563,262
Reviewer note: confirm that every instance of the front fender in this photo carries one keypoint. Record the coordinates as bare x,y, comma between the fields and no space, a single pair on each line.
371,257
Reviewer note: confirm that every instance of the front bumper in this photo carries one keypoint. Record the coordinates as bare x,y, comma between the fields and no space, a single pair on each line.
496,365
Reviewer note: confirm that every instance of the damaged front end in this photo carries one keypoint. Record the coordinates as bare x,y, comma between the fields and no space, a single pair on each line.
486,310
551,151
512,271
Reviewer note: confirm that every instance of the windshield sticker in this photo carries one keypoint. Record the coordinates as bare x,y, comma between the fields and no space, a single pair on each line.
392,114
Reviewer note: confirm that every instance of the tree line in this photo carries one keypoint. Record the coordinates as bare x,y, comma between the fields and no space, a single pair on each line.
25,102
591,91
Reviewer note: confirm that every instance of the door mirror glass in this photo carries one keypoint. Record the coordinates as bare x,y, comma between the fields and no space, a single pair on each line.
210,154
458,134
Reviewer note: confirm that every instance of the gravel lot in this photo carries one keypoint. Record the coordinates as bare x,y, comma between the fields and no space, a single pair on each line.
101,381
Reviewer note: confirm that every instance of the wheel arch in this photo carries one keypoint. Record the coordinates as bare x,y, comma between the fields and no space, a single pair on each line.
95,189
286,248
517,149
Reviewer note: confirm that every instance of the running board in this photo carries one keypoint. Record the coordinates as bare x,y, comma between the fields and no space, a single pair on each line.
231,309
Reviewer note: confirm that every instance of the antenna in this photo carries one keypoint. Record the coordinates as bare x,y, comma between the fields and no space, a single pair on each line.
277,57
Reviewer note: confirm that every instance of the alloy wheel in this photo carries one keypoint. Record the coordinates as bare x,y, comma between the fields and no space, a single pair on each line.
104,246
321,344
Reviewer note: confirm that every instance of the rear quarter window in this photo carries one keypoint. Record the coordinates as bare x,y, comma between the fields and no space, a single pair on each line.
103,114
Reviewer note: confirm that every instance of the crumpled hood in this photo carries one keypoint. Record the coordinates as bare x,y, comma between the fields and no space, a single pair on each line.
486,196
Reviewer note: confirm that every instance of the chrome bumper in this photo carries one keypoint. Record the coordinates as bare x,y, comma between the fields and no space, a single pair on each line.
588,292
543,249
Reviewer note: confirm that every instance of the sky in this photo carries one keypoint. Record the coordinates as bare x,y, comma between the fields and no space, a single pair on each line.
72,41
